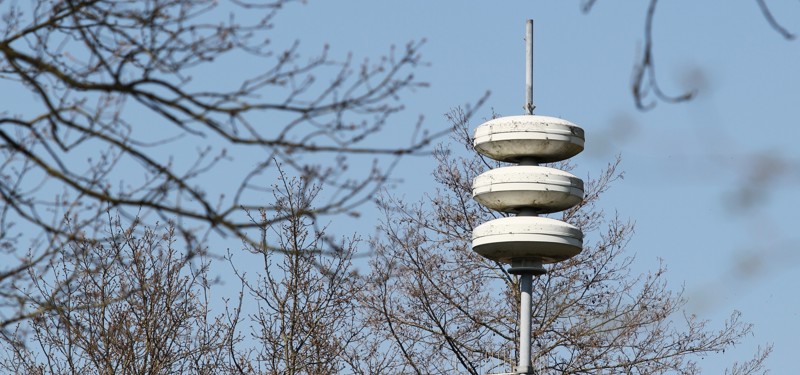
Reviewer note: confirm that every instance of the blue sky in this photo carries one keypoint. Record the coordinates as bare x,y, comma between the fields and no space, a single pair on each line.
710,183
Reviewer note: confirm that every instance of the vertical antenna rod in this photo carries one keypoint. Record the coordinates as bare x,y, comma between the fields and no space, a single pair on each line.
529,68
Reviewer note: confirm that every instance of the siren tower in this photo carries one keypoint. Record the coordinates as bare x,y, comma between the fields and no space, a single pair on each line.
527,241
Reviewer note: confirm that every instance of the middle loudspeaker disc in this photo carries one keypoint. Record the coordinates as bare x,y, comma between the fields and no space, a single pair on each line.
523,187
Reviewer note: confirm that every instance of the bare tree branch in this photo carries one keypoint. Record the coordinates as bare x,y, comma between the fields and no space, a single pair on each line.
121,64
644,72
645,83
449,310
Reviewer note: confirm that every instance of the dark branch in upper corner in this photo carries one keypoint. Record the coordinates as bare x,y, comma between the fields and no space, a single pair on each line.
645,82
773,22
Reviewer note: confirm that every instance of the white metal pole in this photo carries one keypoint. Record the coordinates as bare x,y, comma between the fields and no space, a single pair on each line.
526,285
529,68
526,279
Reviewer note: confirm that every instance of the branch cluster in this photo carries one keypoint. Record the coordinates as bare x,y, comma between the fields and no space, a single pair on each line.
113,108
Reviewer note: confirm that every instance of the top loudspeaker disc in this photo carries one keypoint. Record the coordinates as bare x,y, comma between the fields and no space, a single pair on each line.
529,137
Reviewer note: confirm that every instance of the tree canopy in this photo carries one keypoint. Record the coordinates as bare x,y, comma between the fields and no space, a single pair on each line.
118,280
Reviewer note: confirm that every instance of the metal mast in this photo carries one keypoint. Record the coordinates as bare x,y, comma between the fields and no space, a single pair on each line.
526,278
527,241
